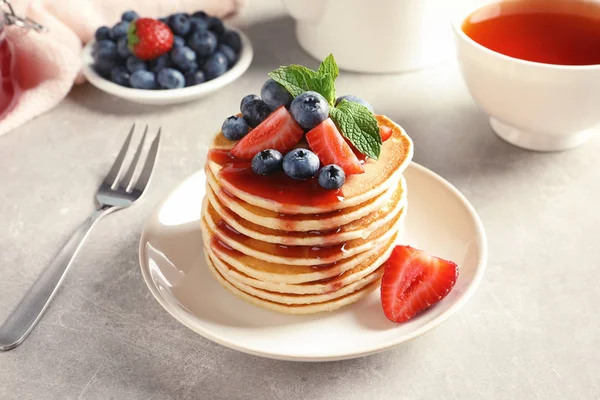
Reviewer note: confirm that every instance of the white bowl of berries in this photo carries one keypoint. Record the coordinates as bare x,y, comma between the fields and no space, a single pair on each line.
169,60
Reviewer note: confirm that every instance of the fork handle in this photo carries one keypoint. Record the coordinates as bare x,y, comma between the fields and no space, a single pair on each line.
29,311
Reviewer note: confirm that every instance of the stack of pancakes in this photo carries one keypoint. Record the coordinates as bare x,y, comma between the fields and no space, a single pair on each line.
306,258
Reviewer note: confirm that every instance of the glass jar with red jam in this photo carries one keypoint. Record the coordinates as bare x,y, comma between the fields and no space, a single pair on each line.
9,87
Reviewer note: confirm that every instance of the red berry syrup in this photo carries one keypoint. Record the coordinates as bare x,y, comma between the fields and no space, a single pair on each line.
277,186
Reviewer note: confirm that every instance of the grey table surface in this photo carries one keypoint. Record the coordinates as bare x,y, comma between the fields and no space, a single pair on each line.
531,331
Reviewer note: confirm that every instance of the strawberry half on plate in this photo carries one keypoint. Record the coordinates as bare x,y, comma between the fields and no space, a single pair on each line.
279,131
414,281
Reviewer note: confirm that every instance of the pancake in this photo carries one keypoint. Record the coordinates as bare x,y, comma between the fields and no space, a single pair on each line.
318,286
294,308
290,298
380,175
295,222
361,228
283,274
296,255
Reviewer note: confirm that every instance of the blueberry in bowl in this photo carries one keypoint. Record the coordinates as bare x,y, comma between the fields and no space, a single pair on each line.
172,59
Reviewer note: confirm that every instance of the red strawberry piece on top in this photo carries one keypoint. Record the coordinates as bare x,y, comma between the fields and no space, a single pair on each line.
279,131
149,38
413,281
361,157
331,148
385,132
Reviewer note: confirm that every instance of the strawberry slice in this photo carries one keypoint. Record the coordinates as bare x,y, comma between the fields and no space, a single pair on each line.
279,131
385,132
331,148
361,157
413,281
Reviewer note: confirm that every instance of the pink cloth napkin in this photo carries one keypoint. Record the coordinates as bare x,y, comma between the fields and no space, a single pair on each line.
47,64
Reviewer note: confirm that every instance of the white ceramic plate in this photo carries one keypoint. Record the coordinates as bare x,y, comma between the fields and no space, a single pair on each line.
172,96
439,220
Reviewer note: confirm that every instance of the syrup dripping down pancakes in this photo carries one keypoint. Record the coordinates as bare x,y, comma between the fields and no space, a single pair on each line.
293,247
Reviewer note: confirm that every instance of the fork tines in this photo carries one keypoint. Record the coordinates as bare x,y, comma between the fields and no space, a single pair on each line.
128,182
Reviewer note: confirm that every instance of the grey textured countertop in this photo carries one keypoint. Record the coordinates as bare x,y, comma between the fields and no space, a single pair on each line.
531,331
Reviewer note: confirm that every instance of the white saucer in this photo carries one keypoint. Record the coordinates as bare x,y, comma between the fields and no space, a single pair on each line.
172,96
440,220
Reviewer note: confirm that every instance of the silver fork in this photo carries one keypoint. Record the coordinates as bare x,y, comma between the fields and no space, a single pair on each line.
115,193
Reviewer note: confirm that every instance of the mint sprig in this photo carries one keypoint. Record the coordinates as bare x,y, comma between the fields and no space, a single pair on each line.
359,126
354,121
329,66
298,79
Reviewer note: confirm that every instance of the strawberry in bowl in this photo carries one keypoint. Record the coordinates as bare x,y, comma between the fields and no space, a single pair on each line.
149,38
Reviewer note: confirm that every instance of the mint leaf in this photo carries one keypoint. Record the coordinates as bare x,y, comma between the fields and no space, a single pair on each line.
359,126
327,88
296,79
329,66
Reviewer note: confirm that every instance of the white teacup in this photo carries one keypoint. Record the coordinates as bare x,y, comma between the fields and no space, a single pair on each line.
376,35
535,106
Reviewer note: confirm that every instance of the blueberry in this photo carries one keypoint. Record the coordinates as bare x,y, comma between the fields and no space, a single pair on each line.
246,99
129,16
104,49
178,41
275,95
232,39
266,162
215,66
331,177
229,54
354,99
309,109
194,78
135,64
301,164
142,79
198,24
122,48
120,30
216,25
234,128
170,78
193,67
255,111
159,63
203,43
164,20
184,58
103,33
202,61
200,14
120,75
105,56
103,68
179,24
